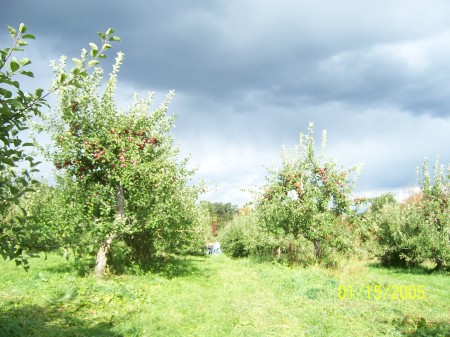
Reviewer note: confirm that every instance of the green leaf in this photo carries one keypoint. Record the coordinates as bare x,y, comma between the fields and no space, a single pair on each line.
62,77
22,28
17,142
7,161
93,46
14,190
15,103
78,62
25,61
102,35
35,163
107,46
110,31
114,38
27,73
92,63
29,36
5,93
22,43
14,65
38,92
75,83
12,32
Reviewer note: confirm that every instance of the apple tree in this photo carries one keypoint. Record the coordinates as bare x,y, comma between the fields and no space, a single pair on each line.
309,197
122,164
17,164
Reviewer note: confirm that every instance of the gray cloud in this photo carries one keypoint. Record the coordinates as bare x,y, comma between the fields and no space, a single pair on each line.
252,74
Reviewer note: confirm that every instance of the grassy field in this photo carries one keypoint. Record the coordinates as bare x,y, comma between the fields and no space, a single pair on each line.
219,296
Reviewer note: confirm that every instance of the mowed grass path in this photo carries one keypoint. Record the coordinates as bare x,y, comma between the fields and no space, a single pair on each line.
217,296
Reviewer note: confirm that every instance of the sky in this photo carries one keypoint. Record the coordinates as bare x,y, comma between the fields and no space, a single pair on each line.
250,75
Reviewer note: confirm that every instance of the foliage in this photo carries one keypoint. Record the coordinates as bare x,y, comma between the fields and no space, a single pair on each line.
309,197
242,237
122,166
435,207
366,231
16,165
220,213
42,207
377,203
401,233
410,233
56,217
17,107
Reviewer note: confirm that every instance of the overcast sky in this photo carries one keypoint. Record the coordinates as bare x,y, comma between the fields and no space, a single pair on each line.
250,75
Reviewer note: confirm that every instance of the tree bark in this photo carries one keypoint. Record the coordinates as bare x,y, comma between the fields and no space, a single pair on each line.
279,252
317,250
100,264
439,263
102,255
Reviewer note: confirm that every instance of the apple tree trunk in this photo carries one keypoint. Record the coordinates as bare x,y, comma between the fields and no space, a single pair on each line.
102,255
317,249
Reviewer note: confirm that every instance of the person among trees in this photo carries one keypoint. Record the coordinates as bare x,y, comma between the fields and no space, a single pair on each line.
216,248
210,248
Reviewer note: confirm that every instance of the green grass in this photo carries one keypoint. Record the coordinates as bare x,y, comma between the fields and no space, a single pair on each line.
217,296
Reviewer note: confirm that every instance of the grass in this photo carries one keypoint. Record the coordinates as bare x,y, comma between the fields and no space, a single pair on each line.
217,296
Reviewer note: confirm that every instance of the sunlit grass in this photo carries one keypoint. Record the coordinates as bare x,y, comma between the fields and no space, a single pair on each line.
217,296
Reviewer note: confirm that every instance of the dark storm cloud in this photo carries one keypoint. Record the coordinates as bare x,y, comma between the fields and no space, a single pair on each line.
288,52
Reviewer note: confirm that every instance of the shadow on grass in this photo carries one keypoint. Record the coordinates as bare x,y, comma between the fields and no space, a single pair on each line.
169,267
172,267
420,327
33,320
82,267
417,270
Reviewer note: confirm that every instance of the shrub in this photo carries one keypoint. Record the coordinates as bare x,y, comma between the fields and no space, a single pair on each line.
239,237
402,235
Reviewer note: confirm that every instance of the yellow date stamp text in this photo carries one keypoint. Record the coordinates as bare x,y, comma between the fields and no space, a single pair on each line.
394,292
